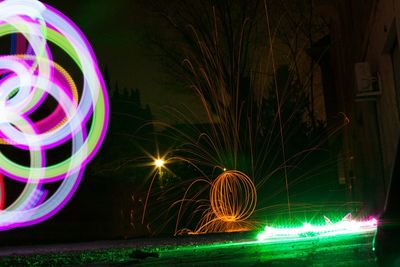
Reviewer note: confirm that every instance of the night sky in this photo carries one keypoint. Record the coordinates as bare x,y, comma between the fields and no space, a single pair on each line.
120,33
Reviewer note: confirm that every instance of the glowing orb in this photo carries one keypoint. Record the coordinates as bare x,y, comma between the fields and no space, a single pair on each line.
28,79
159,163
233,196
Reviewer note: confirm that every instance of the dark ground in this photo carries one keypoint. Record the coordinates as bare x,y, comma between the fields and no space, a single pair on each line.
239,249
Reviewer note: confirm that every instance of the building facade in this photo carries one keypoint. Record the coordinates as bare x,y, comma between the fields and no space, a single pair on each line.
361,73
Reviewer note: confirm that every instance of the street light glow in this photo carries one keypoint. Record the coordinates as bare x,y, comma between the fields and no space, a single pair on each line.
159,163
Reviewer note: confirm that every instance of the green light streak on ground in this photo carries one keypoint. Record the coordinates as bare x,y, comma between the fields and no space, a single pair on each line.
343,227
352,249
337,250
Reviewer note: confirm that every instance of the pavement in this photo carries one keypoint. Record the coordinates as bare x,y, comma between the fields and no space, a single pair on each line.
235,249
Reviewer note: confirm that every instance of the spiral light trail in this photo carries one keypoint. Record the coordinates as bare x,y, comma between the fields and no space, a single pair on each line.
28,79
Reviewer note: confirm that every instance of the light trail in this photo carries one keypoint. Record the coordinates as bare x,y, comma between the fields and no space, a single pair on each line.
343,227
28,78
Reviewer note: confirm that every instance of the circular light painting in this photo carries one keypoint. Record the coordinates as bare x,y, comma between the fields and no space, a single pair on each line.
53,110
233,196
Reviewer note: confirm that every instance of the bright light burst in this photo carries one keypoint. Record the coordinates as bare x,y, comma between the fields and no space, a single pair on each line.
342,227
159,163
28,79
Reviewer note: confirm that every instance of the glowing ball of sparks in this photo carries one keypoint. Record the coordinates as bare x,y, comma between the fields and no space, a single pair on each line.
233,196
159,163
31,79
